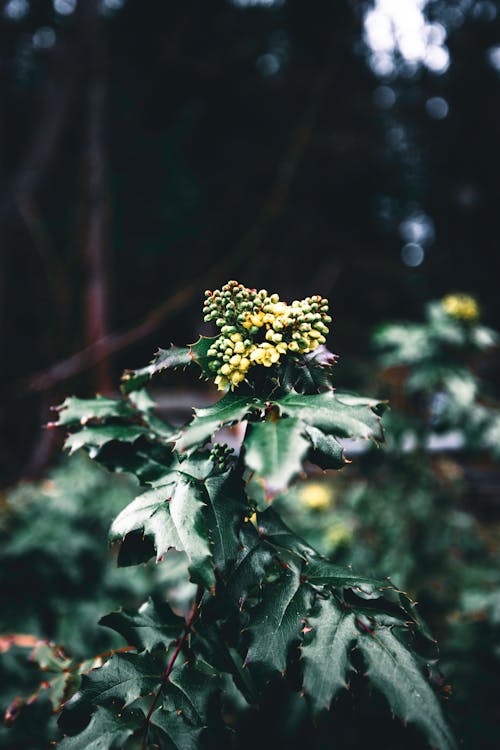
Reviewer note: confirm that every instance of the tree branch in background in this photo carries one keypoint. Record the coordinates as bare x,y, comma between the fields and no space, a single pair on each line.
272,209
96,246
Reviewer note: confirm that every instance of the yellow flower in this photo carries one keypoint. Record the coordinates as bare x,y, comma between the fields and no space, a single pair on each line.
315,496
461,307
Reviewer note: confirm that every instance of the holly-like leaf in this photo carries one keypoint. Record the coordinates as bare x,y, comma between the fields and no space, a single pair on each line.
325,652
149,513
327,452
187,510
305,374
338,414
229,409
123,679
106,731
199,353
254,559
81,411
227,506
94,437
395,671
154,624
164,359
274,450
275,623
173,515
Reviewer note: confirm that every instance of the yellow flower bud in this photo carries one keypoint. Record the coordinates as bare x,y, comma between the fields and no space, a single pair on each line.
235,360
237,377
225,369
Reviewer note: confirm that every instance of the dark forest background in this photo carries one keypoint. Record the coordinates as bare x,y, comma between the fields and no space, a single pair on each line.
152,149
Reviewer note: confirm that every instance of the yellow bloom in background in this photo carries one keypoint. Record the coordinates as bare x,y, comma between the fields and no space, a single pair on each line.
461,307
316,496
338,533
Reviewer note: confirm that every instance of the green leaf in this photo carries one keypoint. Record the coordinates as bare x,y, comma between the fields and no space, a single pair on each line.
187,510
173,515
81,411
327,452
199,353
93,438
395,671
190,688
275,623
178,732
305,374
275,450
124,678
150,512
325,652
106,731
254,559
205,422
164,359
153,625
227,506
338,414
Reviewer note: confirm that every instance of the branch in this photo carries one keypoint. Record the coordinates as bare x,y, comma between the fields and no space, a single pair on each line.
187,629
96,248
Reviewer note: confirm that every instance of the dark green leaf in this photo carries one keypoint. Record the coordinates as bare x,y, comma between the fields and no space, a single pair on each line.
227,506
173,515
338,414
325,652
199,353
327,452
275,624
153,625
81,411
106,731
274,450
205,422
94,437
164,359
123,678
395,671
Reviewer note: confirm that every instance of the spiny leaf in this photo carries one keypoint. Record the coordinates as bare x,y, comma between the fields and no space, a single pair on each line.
187,510
152,625
199,353
253,560
395,671
190,688
226,510
149,512
327,452
229,409
173,515
81,411
164,359
176,731
106,731
305,375
338,414
123,678
274,450
275,623
94,437
325,652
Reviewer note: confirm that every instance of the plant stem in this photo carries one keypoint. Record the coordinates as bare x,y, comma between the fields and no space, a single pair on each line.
187,629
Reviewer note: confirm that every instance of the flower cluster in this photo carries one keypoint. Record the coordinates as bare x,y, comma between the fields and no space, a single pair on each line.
257,329
461,307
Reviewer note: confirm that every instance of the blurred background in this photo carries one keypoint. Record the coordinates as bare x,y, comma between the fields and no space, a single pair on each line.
349,148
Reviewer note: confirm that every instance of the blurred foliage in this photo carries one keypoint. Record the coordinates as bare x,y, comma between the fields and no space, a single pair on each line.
57,578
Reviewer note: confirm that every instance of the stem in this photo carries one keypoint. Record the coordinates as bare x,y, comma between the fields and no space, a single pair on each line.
187,629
